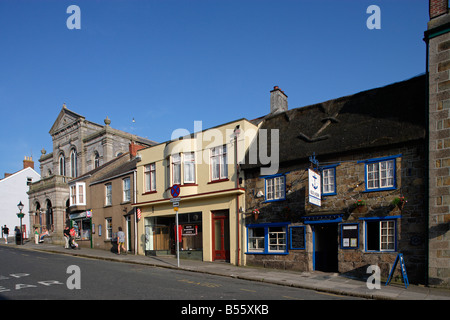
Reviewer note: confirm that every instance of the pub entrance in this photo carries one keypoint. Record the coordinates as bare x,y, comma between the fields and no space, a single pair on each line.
325,237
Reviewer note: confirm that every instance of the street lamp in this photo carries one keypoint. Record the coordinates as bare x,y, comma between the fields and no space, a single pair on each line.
20,215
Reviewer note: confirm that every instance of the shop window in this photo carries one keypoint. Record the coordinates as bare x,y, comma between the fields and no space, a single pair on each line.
275,188
380,235
267,238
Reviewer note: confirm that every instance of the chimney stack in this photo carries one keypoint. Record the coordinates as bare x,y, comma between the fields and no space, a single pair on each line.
278,101
134,148
438,8
28,163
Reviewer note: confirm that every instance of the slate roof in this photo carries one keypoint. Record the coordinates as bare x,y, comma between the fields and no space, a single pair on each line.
378,117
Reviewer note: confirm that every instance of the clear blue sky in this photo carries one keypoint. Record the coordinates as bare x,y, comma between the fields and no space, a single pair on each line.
168,63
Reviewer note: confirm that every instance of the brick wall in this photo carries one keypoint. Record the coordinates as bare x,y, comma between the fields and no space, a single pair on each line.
438,7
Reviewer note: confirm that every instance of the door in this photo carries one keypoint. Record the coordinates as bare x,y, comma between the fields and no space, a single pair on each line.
326,247
221,235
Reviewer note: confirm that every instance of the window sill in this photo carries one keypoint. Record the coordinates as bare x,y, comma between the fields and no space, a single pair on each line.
149,192
379,189
219,180
274,200
269,253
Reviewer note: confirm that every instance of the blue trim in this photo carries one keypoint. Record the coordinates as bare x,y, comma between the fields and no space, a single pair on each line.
326,218
374,219
377,160
342,238
321,175
380,159
304,238
337,220
275,175
265,187
314,247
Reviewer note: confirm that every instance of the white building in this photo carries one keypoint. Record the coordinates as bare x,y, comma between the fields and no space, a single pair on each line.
13,189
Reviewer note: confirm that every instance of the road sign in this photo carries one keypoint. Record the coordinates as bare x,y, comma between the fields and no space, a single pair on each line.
175,199
175,203
175,191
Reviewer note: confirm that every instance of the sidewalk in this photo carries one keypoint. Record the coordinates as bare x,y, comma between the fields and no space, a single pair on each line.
319,281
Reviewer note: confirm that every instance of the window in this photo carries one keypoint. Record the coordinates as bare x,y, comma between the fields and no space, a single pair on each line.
62,165
349,236
108,200
96,160
150,178
108,224
77,194
380,235
328,180
275,188
73,164
219,163
380,173
176,169
189,167
267,238
126,190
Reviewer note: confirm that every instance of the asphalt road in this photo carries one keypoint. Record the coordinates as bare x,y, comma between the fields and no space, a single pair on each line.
31,275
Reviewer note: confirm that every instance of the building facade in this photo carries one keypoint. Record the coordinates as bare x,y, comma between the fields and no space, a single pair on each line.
13,189
211,198
79,146
366,154
437,38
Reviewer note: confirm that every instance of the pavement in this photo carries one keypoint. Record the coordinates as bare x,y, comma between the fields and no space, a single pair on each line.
332,283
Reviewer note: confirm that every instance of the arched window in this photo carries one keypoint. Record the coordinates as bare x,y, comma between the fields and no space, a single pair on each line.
96,160
62,165
73,164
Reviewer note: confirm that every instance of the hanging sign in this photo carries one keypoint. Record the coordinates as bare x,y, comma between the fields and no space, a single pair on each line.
314,188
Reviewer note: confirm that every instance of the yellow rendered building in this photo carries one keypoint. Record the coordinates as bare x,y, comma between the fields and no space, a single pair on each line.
204,165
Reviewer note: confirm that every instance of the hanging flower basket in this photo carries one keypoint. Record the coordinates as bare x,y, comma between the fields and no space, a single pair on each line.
399,202
360,205
255,214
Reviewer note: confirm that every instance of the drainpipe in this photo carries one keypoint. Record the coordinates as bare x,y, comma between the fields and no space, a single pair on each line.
135,209
238,227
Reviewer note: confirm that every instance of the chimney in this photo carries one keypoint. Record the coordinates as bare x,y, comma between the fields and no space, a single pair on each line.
134,148
28,163
278,101
438,8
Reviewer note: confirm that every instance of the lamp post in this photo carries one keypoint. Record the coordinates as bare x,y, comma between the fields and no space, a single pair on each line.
20,215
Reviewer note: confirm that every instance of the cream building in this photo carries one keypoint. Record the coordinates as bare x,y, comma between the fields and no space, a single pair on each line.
211,206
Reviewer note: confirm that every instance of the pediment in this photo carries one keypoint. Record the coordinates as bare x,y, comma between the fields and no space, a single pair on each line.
65,118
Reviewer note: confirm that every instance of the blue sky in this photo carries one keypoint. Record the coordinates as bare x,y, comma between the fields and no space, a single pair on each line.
168,63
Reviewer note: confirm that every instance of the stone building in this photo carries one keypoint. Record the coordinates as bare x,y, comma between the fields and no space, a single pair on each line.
79,146
437,38
368,152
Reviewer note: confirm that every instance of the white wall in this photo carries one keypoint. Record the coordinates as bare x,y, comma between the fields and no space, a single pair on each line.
13,189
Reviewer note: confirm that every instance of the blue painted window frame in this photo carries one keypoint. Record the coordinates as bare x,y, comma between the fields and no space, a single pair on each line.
333,193
304,238
266,227
342,238
283,175
378,160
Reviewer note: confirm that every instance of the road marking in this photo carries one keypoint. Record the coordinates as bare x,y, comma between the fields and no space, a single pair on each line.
329,294
292,298
248,290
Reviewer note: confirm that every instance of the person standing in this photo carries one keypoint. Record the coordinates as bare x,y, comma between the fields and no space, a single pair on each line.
36,235
66,233
121,241
5,233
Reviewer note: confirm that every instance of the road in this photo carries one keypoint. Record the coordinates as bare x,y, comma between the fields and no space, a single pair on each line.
32,275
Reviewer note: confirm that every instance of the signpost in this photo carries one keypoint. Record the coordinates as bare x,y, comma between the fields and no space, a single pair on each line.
175,192
314,188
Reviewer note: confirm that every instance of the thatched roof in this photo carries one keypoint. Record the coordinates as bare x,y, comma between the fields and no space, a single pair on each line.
379,117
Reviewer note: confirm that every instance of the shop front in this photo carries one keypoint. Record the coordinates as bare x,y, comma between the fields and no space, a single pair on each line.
161,235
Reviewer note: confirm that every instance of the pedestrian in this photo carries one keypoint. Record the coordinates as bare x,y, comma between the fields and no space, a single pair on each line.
121,241
36,235
73,234
5,230
66,233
